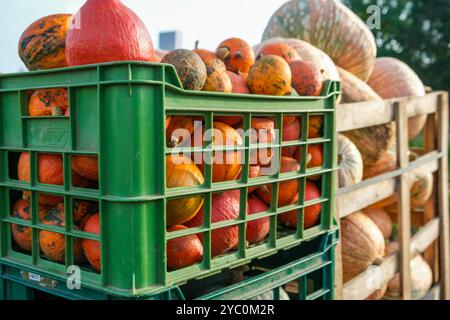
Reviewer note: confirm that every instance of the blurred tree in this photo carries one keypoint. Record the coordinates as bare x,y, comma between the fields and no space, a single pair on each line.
416,32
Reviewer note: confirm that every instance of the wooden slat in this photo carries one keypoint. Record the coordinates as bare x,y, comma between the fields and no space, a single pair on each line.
444,240
434,293
375,277
353,116
362,195
403,200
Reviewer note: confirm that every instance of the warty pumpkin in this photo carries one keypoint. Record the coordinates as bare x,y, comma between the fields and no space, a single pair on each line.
48,102
43,44
330,26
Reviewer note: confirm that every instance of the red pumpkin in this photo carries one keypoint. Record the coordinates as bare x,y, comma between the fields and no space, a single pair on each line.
237,54
280,49
92,248
104,31
263,132
48,102
183,252
257,230
288,190
42,45
307,78
311,213
291,131
224,206
50,171
253,172
239,85
315,155
86,166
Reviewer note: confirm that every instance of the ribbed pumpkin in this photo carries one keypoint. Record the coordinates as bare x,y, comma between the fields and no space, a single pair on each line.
421,281
183,252
43,44
270,75
86,166
50,171
350,163
104,31
257,230
182,172
392,78
372,142
227,165
224,206
331,27
362,244
381,219
53,244
22,235
92,248
48,102
307,52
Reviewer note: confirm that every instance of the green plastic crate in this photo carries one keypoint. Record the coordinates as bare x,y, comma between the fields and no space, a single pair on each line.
118,112
305,272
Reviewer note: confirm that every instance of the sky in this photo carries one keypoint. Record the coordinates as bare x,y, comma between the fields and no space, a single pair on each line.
209,21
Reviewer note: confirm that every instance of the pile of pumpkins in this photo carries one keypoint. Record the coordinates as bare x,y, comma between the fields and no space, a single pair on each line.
235,67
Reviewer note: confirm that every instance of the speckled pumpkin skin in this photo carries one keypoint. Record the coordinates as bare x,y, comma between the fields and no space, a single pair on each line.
217,81
189,66
330,26
42,45
48,102
270,75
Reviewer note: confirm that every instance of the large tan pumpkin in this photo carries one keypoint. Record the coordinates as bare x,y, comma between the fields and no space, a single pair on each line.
392,78
362,244
350,163
372,142
381,219
421,281
331,27
386,163
308,53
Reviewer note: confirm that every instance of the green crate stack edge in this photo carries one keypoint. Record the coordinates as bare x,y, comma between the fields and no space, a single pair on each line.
304,272
122,107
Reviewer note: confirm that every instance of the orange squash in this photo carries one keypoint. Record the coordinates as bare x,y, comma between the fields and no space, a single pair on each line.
257,230
315,129
263,132
183,252
182,172
280,49
50,171
22,235
270,75
43,44
53,244
253,172
83,209
307,79
288,190
48,102
217,81
92,248
189,66
180,129
86,166
237,54
227,165
210,59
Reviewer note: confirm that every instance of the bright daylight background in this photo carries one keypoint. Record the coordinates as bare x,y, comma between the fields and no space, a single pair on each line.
208,21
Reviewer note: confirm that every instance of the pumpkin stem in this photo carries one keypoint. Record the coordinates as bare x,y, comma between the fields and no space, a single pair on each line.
57,112
223,53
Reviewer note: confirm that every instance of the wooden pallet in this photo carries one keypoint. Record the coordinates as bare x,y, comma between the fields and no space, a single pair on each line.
433,240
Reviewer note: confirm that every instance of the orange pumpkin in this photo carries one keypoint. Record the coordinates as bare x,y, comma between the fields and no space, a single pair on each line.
211,59
315,155
180,129
53,244
92,248
253,172
182,172
280,49
22,235
270,75
50,171
288,190
226,165
82,209
237,54
48,102
381,219
307,78
168,118
217,81
263,132
43,44
291,131
315,129
86,166
183,252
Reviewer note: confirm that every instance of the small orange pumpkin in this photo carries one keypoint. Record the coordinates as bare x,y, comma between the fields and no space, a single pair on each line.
48,102
217,81
183,252
92,248
280,49
182,172
82,209
315,129
43,44
270,75
86,166
237,54
211,59
180,129
50,171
